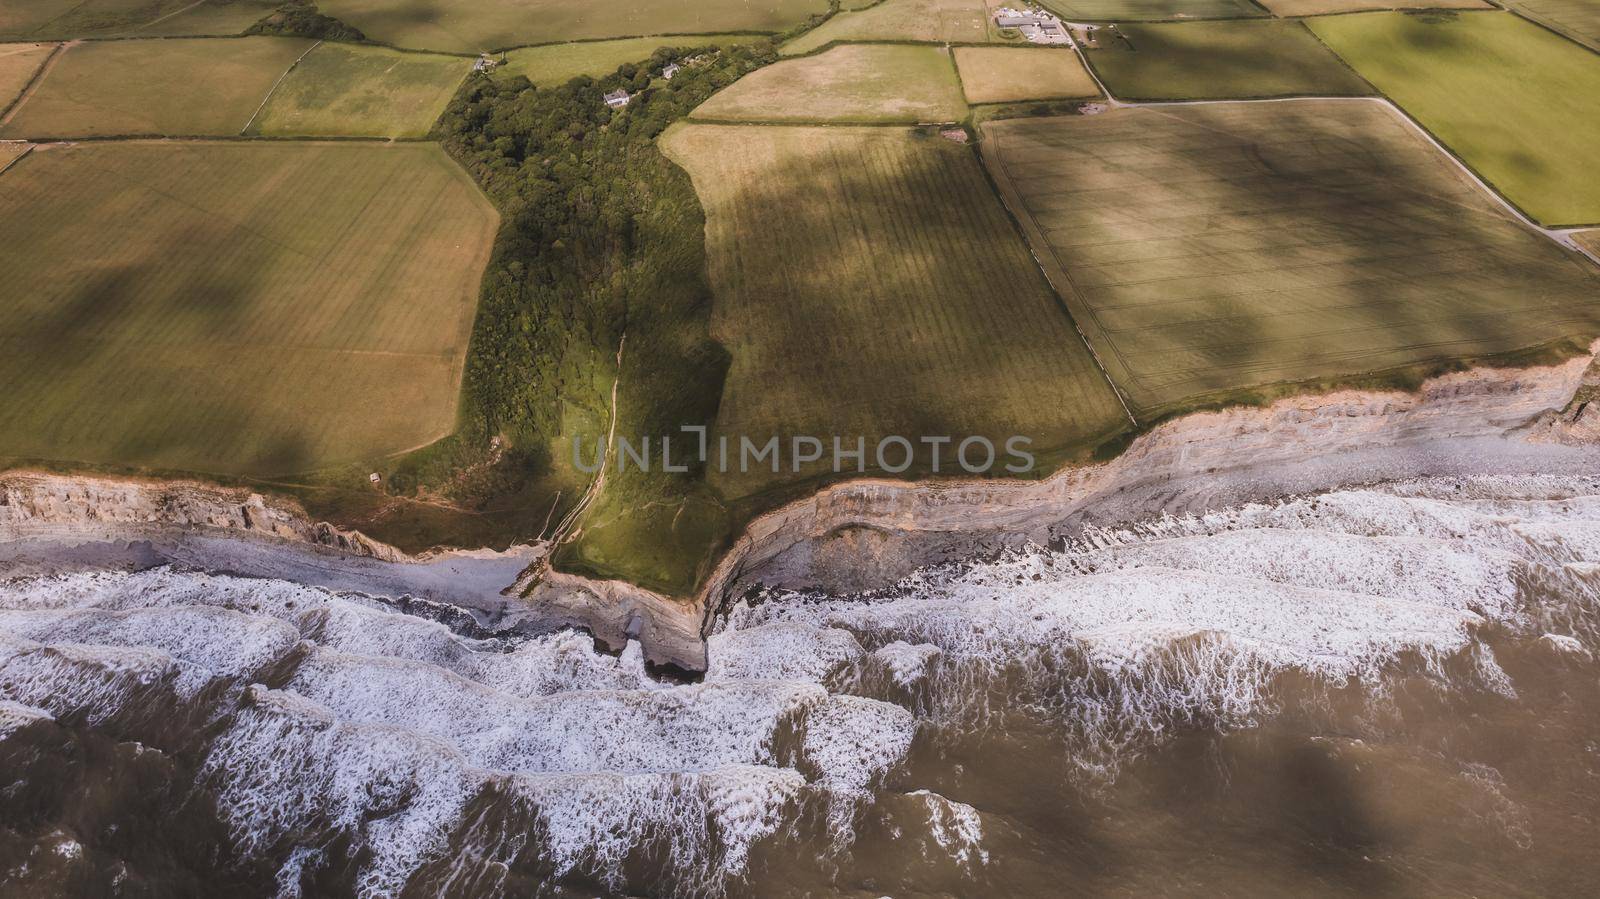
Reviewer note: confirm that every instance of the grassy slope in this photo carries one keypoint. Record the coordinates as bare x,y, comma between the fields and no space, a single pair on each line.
187,87
61,19
934,21
868,284
1214,249
476,25
1138,10
1220,60
234,307
553,64
18,63
1577,19
1589,240
850,83
1009,74
1519,104
347,89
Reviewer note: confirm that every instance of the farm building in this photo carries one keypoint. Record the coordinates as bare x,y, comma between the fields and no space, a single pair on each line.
671,69
617,99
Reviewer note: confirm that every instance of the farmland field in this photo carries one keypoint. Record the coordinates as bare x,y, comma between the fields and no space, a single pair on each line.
867,283
1589,240
238,307
18,63
1577,19
1209,249
849,83
1007,74
1331,7
347,89
205,86
60,19
1144,10
935,21
1220,60
1519,104
551,65
476,25
11,151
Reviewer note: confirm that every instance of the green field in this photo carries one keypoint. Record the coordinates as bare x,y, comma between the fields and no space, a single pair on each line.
237,307
868,284
476,25
849,83
1145,10
554,64
1009,74
348,89
934,21
18,63
1212,249
1333,7
1220,60
60,19
1519,104
206,86
1577,19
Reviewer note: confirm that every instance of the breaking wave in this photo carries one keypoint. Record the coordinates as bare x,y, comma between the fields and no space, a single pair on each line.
338,737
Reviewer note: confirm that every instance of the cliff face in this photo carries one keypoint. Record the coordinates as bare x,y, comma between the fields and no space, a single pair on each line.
866,534
34,504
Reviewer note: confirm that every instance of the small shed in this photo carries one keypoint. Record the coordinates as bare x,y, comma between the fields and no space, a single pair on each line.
617,99
671,69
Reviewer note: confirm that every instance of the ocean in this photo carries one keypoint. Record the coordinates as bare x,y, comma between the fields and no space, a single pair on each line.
1390,689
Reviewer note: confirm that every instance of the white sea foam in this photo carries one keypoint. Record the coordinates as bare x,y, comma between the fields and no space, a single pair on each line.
956,828
15,716
72,680
780,651
909,664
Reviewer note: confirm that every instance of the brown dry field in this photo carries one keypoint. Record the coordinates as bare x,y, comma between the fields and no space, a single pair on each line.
190,87
18,63
1009,74
1211,249
235,307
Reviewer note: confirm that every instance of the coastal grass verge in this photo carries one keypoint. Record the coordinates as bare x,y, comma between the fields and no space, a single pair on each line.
223,324
1517,103
453,26
849,83
1212,251
1299,8
1014,74
1219,61
361,91
195,87
868,285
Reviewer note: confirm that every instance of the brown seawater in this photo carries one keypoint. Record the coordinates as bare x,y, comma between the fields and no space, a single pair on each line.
1381,690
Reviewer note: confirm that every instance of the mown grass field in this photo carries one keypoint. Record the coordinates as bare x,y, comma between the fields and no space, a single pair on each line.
18,63
1334,7
353,90
1577,19
1144,10
1589,240
869,284
556,64
62,19
1209,250
1009,74
204,86
934,21
237,307
848,83
1220,60
1519,104
476,25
